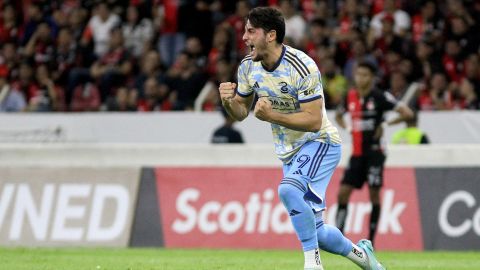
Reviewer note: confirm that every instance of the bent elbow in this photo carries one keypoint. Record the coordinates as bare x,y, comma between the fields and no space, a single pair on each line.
316,127
407,113
240,118
317,124
410,114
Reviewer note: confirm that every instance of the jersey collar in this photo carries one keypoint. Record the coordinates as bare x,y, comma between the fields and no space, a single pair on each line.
278,61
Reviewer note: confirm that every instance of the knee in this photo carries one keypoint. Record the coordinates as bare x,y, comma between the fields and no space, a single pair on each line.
289,188
284,191
322,234
375,195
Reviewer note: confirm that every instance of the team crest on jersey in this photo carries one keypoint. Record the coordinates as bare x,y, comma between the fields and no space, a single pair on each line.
370,105
283,87
351,106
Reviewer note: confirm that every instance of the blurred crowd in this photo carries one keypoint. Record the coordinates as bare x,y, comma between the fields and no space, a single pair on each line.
160,55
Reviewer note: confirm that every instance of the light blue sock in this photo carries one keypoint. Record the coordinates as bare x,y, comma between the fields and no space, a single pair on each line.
331,239
291,192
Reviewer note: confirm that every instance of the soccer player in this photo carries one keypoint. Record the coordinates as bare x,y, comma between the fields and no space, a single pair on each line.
290,96
367,106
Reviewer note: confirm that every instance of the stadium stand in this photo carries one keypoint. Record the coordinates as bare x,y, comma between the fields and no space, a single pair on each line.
157,55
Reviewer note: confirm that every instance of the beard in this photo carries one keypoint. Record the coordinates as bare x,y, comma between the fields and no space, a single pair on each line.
257,58
256,53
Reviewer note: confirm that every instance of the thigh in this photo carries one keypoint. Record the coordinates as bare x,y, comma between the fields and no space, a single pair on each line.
301,163
375,167
314,166
356,172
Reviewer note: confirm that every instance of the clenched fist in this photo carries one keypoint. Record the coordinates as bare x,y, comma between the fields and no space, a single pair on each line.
227,91
263,109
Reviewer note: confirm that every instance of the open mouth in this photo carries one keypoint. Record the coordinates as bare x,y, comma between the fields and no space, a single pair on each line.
252,49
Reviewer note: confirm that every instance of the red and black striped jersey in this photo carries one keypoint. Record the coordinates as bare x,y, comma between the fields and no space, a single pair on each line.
367,114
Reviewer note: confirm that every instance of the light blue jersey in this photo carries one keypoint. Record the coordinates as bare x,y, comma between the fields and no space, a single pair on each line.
293,80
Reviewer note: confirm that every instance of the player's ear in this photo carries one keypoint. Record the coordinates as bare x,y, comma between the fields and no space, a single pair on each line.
272,35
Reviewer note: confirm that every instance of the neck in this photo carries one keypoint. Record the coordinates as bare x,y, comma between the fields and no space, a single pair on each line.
273,55
364,91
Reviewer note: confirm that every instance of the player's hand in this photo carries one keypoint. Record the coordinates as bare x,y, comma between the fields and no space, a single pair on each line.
263,109
227,91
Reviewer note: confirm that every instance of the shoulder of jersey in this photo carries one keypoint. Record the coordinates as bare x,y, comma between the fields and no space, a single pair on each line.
246,59
301,62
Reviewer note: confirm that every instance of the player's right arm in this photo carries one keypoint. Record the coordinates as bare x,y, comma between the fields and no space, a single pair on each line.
237,99
237,106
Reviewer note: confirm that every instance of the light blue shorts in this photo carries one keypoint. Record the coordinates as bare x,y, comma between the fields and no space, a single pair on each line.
313,165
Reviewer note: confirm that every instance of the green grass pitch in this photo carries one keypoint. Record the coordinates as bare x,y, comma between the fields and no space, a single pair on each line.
203,259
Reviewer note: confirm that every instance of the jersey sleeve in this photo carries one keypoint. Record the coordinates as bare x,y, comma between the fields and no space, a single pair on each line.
388,101
310,88
243,87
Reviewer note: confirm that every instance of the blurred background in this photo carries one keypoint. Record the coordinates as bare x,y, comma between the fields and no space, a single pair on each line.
71,56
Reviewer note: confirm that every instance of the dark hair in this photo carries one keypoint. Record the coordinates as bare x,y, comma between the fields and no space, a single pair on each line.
268,19
368,65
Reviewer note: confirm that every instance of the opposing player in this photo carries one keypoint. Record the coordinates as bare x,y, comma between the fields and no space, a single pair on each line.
367,107
290,93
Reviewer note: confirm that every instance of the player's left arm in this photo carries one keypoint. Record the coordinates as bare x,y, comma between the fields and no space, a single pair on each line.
404,113
389,102
307,119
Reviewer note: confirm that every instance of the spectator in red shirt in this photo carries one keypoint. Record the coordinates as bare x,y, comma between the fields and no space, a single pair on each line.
166,19
111,70
9,59
10,29
437,95
452,61
236,22
352,24
388,40
114,67
427,24
402,19
222,47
